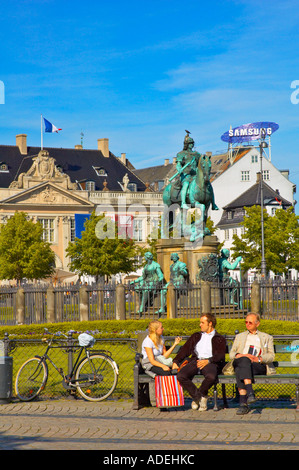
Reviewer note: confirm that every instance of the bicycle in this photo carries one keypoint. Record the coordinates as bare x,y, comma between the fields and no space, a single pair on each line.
94,376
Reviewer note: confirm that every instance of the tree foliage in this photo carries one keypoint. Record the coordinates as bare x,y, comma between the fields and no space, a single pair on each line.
23,252
102,256
281,240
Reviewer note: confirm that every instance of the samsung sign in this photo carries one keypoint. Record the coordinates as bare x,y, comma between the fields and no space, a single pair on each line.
249,132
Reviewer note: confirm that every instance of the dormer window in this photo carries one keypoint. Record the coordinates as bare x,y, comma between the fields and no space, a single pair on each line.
90,185
100,171
132,186
3,167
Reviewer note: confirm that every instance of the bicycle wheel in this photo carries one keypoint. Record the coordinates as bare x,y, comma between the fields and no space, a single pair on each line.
96,377
31,379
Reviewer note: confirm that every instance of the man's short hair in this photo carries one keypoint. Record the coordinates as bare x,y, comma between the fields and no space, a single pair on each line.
257,316
211,318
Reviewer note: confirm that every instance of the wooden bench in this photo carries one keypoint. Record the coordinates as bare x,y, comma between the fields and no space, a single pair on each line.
143,380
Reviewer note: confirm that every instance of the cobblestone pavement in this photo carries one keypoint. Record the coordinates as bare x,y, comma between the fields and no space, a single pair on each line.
69,424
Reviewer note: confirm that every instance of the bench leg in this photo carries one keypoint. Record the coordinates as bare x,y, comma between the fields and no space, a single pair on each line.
215,395
141,391
297,397
225,404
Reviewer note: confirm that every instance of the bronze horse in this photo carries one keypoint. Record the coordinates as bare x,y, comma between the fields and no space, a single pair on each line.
200,195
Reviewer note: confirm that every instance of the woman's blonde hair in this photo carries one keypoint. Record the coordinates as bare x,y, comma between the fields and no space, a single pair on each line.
152,329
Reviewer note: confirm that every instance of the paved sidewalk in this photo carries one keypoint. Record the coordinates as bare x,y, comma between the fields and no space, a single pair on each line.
113,425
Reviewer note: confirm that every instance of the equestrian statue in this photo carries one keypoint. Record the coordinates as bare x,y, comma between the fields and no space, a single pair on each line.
188,188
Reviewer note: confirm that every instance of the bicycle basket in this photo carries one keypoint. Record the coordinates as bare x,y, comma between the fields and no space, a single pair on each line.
86,340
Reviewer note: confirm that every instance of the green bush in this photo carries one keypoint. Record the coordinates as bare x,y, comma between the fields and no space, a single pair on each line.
130,328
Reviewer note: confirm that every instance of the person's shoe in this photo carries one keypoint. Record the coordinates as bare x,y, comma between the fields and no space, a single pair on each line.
251,398
243,410
203,404
195,405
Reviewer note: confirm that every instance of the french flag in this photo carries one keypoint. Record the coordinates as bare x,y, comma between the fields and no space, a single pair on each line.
50,127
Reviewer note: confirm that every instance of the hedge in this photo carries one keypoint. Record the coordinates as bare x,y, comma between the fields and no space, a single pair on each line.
130,328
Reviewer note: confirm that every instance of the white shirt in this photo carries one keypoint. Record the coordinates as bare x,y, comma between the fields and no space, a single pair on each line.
203,348
252,345
148,343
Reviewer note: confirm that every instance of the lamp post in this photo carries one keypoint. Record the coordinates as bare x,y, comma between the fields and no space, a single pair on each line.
263,145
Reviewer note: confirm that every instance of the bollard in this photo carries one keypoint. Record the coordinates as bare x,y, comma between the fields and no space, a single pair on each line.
120,302
205,297
255,297
84,304
6,367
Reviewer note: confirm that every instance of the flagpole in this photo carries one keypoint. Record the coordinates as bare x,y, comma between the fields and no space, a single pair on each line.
41,131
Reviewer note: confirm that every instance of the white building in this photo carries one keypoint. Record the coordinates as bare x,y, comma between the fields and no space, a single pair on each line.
232,177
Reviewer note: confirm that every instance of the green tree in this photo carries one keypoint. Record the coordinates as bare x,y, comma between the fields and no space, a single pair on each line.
23,252
98,255
281,240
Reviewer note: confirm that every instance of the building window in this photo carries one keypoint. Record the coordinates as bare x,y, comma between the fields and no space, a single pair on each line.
100,171
226,234
160,185
254,158
72,230
90,186
3,167
245,175
229,215
138,230
48,230
266,175
235,231
132,187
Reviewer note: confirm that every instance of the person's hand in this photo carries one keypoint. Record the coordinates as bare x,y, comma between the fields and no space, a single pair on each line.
201,363
177,340
253,358
175,366
164,367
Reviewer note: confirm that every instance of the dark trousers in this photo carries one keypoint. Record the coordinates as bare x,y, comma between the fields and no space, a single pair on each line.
159,371
245,369
185,376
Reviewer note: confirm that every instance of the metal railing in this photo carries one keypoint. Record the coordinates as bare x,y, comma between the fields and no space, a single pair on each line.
108,301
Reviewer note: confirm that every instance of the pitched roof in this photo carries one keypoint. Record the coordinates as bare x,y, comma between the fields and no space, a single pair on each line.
252,197
79,164
222,162
157,173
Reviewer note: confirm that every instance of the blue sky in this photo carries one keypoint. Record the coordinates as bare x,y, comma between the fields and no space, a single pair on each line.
140,73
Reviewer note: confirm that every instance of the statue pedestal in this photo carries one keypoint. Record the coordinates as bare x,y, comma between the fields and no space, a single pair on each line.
188,252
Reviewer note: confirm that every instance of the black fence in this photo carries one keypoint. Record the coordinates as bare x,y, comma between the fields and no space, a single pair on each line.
40,304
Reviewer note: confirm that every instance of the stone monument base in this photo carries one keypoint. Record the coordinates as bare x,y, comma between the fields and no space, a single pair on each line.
189,253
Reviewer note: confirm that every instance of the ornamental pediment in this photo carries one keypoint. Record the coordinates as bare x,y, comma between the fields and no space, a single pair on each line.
47,194
43,169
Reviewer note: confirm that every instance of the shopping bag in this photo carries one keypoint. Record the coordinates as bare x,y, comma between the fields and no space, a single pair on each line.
169,392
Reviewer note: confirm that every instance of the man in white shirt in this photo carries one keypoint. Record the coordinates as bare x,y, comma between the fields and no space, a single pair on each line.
252,354
207,351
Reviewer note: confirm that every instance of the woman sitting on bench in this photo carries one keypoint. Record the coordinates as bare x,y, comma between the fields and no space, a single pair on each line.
155,356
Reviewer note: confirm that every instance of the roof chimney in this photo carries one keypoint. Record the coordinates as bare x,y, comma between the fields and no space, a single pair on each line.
78,147
258,177
21,142
123,158
103,146
166,162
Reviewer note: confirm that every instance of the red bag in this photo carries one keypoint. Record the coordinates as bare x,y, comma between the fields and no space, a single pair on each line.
169,392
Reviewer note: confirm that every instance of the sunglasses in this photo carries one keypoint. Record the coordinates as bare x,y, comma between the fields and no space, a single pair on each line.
249,322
